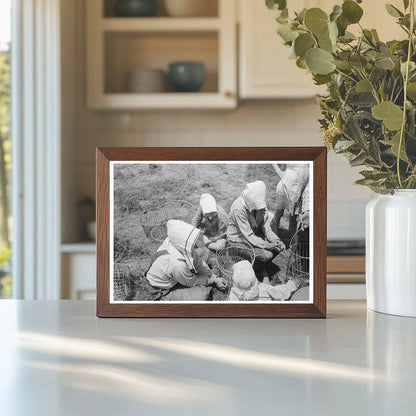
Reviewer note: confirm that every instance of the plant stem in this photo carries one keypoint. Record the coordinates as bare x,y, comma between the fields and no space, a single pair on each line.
373,89
406,80
345,75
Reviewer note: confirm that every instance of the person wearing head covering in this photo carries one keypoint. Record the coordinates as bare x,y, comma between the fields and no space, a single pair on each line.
176,272
246,287
249,222
245,284
290,190
213,221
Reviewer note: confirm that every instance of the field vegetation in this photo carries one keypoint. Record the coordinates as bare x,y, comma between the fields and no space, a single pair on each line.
140,188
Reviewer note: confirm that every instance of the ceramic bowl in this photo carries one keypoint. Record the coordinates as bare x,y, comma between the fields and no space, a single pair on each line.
147,80
135,8
186,76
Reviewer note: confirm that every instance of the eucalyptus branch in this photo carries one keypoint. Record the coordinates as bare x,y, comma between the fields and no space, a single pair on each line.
373,89
406,80
346,75
349,63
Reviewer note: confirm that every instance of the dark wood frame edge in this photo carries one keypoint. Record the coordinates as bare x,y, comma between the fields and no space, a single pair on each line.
317,309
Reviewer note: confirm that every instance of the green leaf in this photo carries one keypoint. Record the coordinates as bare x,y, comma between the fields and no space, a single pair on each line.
361,99
343,145
374,175
375,35
343,65
333,32
374,150
385,63
303,43
276,4
358,160
316,20
368,36
301,63
391,114
394,144
358,61
286,32
336,12
342,25
324,42
411,90
319,61
412,67
393,11
321,79
363,86
351,11
364,181
301,15
348,37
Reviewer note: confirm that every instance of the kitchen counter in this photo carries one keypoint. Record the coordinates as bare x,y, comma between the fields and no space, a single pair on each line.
57,358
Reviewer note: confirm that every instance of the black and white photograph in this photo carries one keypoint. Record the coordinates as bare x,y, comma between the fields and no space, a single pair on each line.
210,232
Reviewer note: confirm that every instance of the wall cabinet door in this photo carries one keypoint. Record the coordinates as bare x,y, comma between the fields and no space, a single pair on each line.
265,68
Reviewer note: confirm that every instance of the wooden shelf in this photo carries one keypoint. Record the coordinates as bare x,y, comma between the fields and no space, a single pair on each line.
163,101
159,24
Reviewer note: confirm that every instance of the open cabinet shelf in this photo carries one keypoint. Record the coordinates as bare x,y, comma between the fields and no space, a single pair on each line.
116,46
160,24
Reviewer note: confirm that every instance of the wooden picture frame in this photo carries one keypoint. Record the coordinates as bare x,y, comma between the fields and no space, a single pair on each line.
315,308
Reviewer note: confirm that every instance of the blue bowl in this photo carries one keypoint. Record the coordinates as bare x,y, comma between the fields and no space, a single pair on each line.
186,76
135,8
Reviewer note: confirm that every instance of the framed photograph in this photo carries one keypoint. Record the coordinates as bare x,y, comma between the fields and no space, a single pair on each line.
211,232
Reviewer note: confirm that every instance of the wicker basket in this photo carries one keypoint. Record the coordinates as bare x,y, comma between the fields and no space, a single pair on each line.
178,210
232,254
122,282
298,264
154,221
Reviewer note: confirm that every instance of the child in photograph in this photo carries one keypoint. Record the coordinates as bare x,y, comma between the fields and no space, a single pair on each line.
213,221
245,286
177,273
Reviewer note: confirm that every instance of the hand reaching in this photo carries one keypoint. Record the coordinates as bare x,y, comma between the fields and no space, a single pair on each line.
277,246
219,282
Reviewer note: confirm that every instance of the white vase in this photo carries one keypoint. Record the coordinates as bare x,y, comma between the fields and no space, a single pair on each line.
391,253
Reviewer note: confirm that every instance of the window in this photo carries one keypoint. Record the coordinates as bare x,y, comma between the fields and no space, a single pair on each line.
5,145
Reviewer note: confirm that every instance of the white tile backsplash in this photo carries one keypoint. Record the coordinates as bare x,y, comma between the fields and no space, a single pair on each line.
271,123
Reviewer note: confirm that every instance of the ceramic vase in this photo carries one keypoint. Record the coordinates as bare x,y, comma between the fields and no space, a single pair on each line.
391,253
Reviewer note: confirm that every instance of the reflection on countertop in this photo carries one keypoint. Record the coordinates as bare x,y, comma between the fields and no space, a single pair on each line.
63,360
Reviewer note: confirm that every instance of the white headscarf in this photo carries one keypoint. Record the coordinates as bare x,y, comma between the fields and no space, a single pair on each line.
255,195
208,204
245,285
181,240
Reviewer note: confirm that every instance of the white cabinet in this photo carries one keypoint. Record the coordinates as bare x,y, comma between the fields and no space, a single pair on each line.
78,263
265,70
118,45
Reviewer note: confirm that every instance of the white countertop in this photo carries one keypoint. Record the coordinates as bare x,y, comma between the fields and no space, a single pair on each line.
57,359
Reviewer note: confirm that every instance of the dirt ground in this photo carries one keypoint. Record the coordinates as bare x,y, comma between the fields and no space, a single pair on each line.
139,188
